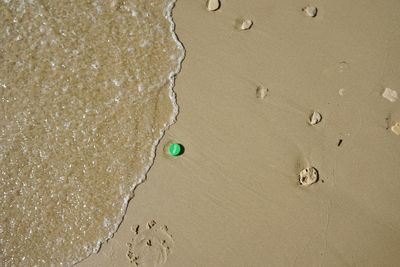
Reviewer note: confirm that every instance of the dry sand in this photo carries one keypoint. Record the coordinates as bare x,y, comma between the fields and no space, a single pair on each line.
234,198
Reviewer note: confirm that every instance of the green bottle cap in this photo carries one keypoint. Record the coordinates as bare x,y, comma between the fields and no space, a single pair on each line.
175,149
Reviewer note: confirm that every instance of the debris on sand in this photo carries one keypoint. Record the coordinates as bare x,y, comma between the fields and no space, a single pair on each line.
396,128
245,24
308,176
310,11
261,92
213,5
315,118
390,95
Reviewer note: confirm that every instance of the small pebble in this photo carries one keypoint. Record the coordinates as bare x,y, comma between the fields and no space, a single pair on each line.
308,176
246,24
390,95
310,11
213,5
315,118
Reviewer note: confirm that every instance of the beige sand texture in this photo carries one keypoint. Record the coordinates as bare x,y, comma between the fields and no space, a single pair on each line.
234,198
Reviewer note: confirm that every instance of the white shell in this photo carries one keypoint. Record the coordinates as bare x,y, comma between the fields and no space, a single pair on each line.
213,5
308,176
396,128
315,118
310,11
390,95
246,24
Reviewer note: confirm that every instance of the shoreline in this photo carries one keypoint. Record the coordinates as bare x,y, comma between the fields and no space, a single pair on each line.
234,198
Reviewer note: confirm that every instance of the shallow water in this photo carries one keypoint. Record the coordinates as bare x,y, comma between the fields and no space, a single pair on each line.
86,93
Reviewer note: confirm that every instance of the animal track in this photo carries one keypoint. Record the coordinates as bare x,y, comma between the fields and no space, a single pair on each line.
150,245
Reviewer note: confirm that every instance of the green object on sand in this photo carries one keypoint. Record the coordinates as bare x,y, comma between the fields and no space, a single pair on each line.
175,149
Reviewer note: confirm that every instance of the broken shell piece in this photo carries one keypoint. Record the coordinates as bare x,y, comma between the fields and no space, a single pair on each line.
308,176
213,5
390,95
245,24
261,92
315,118
396,128
310,11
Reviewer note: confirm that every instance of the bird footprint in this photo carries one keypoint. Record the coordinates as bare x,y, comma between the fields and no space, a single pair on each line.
150,245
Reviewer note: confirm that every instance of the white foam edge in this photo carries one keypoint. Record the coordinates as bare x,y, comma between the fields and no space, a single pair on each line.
142,177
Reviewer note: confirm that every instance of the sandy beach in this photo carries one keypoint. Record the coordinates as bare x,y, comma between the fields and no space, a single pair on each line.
245,99
289,118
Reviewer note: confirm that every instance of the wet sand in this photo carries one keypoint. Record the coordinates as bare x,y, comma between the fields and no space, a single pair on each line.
234,197
86,94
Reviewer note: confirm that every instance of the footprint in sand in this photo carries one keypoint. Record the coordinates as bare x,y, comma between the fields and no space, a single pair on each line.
343,67
150,245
